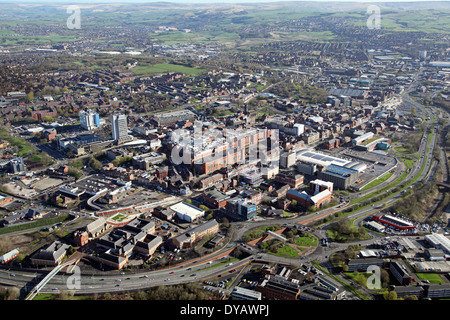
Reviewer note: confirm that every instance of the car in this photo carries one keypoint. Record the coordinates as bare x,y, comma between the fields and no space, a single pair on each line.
12,275
171,272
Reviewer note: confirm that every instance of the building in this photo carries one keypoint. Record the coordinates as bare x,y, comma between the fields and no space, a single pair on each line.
392,221
120,243
318,185
51,255
307,201
9,256
111,260
278,289
269,172
241,209
252,177
361,264
49,134
331,144
5,199
215,198
119,127
375,226
97,227
187,212
292,179
439,241
80,238
187,239
89,119
163,213
362,138
399,271
287,159
342,177
437,290
147,160
17,165
254,196
240,293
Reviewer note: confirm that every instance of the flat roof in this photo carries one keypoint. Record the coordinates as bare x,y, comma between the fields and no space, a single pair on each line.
186,209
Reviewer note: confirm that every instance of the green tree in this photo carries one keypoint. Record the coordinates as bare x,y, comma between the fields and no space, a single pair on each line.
390,295
29,97
95,164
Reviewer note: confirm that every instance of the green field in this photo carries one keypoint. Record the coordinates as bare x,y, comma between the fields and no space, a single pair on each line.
432,277
165,68
377,181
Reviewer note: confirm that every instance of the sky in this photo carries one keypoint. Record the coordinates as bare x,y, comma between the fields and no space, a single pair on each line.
200,1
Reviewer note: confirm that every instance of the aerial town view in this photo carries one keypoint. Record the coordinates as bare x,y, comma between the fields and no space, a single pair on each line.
225,151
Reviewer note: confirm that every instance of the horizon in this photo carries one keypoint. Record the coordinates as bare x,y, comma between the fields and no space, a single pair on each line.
211,1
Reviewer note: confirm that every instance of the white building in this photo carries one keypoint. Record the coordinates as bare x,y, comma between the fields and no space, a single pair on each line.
89,119
187,212
119,127
439,241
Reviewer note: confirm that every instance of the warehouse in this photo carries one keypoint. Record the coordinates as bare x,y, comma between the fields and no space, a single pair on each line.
439,241
187,212
393,221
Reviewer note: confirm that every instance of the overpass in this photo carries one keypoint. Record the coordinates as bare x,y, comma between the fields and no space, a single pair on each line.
442,184
44,281
91,200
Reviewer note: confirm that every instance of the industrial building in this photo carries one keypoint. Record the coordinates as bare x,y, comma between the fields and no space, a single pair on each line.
392,221
187,212
439,241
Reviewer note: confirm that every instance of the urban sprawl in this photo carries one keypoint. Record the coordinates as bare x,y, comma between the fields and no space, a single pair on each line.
288,171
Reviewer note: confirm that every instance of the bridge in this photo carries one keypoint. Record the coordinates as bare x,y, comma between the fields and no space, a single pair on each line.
48,277
442,184
91,200
43,282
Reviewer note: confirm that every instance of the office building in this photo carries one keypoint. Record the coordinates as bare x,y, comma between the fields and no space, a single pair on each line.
241,208
17,165
89,119
119,127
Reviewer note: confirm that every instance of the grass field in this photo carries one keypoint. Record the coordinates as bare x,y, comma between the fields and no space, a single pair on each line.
165,68
432,277
377,181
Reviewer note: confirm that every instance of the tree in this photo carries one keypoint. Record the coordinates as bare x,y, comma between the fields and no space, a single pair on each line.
29,97
95,164
48,119
390,295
